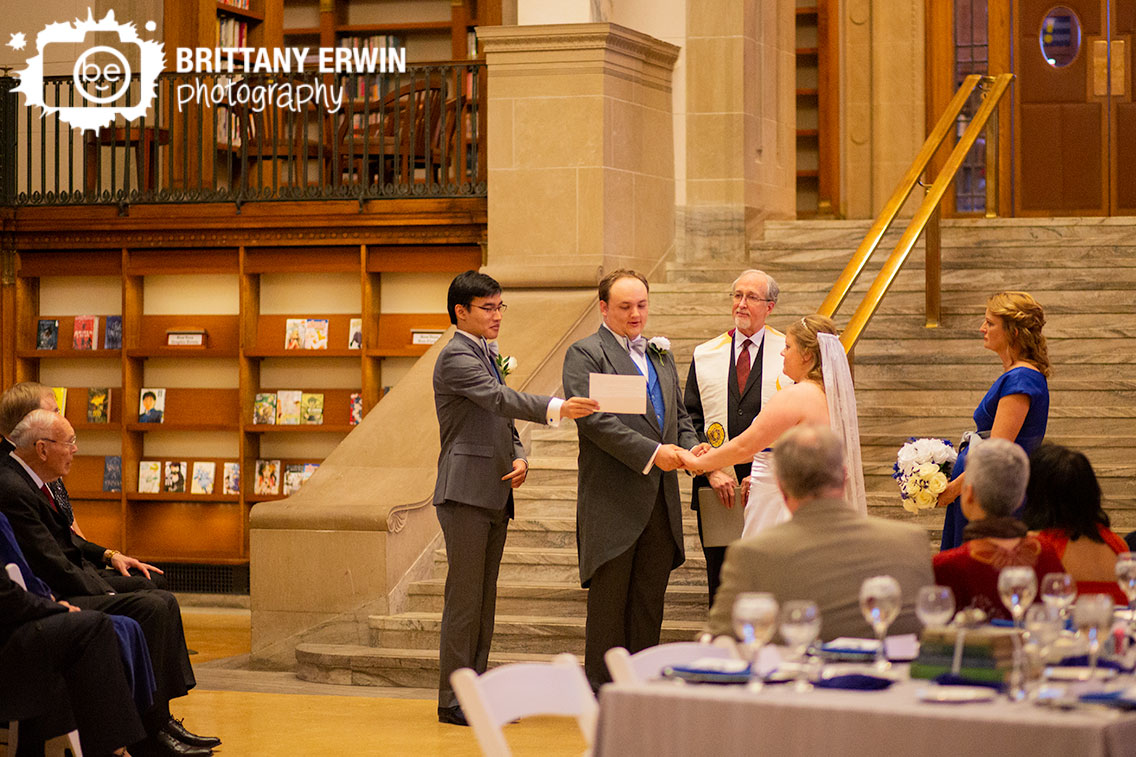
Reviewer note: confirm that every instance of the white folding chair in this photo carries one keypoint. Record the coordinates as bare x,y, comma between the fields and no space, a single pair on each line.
649,663
519,690
63,745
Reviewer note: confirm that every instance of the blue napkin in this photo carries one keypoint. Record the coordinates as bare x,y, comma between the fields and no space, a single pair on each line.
1082,661
951,679
854,681
1111,698
1001,623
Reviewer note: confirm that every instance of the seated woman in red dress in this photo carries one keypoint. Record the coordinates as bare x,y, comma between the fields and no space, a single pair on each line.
996,476
1063,508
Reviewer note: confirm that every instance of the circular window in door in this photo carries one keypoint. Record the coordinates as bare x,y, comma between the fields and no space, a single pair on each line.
1060,36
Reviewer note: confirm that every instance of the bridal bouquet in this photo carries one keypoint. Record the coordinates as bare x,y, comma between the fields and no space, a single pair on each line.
922,468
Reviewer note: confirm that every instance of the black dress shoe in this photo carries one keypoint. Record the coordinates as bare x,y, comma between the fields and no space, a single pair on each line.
179,732
163,744
452,715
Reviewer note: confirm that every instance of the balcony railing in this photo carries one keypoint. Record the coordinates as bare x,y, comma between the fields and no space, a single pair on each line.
243,138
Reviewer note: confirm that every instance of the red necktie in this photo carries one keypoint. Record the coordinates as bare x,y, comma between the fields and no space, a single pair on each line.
743,365
50,498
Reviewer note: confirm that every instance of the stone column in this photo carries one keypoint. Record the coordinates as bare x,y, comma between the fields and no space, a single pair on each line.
581,158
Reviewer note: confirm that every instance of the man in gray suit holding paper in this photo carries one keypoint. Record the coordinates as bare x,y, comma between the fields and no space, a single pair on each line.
480,463
628,513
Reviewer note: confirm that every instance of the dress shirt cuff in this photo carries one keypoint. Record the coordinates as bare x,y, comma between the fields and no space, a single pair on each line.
651,462
552,413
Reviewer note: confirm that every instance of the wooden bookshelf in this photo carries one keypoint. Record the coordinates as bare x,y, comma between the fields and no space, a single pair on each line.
817,109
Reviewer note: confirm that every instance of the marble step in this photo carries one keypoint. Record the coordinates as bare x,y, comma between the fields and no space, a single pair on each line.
560,565
357,665
511,633
553,600
560,531
943,428
986,232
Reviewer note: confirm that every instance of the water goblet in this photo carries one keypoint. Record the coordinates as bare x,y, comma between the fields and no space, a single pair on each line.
935,606
755,620
1126,578
1092,614
1059,590
880,604
1017,587
1043,627
800,625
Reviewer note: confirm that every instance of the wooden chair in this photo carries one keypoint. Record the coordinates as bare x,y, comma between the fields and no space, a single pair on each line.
60,744
520,690
277,140
649,663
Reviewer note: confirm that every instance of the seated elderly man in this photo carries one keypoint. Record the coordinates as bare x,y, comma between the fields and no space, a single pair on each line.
997,472
827,549
44,447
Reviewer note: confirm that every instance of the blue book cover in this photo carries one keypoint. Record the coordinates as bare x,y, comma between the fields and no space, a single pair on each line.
47,334
112,473
112,339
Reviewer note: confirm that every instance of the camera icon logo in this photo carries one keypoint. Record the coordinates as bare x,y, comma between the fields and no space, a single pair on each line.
114,76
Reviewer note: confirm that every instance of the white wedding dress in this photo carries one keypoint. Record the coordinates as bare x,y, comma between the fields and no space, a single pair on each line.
765,506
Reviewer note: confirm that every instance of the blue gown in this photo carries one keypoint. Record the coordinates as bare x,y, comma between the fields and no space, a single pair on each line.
1019,380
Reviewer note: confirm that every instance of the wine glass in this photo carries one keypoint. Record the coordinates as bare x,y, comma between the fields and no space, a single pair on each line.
800,625
1126,577
1017,586
935,606
1059,590
1093,614
755,620
1043,627
880,603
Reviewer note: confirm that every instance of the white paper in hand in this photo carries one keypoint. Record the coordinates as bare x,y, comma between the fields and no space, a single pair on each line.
617,393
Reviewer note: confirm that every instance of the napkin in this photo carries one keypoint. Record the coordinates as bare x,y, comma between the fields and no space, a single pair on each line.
1082,661
854,681
950,679
1119,699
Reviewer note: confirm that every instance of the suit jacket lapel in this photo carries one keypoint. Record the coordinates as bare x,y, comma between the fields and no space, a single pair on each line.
621,361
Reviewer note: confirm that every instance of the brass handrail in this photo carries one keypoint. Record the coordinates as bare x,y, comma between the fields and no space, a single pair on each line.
995,87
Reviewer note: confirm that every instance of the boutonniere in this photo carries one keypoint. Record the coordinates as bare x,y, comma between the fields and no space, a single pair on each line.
660,345
506,364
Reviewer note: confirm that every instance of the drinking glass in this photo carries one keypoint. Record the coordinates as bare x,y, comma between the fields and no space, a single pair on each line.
880,603
800,625
1043,627
1093,614
1126,577
1017,586
1059,590
935,606
755,620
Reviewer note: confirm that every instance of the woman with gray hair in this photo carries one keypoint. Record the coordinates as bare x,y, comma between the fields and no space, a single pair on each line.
995,484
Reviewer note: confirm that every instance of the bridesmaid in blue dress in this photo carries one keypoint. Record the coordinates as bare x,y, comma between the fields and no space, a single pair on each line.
1017,405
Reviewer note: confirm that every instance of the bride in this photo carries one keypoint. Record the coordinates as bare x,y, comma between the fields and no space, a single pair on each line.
822,394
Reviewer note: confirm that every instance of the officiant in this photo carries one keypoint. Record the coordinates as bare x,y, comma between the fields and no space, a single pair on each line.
730,377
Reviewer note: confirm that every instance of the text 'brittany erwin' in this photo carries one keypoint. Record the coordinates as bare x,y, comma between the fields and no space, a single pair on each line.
287,60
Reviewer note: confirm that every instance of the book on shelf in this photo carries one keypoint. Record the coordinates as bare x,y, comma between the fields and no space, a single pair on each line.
84,336
47,334
174,481
112,473
203,473
288,407
293,478
315,334
112,336
231,478
294,333
355,334
149,477
309,469
356,407
311,408
60,393
267,477
152,406
264,409
231,32
98,405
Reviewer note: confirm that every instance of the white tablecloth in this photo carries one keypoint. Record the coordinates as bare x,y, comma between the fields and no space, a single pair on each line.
664,718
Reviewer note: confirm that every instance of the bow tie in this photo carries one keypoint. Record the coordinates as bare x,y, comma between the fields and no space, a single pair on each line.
491,348
638,344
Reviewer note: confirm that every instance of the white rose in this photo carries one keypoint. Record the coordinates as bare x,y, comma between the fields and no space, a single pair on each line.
510,364
937,483
660,343
940,454
926,470
909,505
906,455
924,499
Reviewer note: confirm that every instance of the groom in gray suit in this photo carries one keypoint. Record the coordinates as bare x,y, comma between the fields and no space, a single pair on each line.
628,513
480,463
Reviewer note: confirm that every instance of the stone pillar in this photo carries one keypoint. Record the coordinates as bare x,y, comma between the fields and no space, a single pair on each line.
740,124
581,158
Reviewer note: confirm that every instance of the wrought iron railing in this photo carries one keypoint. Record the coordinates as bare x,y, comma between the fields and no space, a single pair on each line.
242,138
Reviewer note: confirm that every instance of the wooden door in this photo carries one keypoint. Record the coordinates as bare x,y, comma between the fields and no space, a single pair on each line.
1075,120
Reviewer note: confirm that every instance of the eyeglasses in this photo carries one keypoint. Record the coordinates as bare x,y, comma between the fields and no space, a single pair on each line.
750,298
493,308
72,442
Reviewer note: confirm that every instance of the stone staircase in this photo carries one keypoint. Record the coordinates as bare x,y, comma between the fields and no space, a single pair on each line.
910,381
